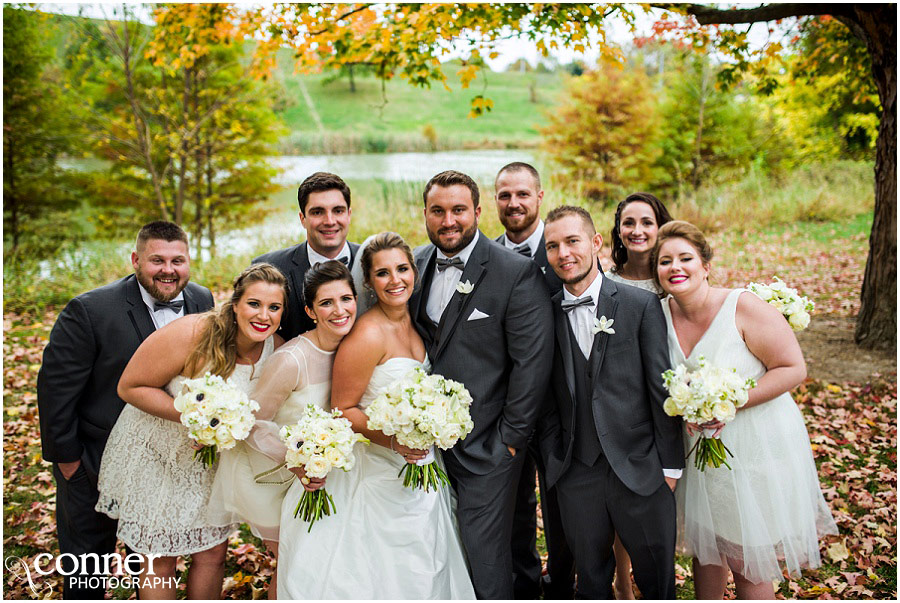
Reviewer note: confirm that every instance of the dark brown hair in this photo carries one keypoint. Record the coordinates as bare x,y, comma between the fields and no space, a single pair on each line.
451,178
323,273
161,230
318,183
679,229
619,252
562,211
383,242
520,166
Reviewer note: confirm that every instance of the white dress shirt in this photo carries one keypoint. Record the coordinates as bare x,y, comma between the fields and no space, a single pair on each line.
582,321
316,257
533,241
163,316
443,284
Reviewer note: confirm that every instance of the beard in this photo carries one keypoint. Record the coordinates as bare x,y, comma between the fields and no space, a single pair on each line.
149,284
464,240
518,224
577,279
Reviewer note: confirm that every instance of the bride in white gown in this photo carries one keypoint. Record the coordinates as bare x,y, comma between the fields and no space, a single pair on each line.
385,541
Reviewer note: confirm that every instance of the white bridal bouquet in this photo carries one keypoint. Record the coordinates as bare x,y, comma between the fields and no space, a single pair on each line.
319,442
422,411
796,308
216,414
702,395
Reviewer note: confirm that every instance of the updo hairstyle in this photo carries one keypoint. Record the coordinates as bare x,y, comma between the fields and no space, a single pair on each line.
679,229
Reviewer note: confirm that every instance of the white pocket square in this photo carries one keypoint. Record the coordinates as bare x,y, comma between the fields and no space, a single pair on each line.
477,315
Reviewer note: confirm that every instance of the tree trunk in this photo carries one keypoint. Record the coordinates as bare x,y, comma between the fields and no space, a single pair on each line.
352,82
698,157
876,325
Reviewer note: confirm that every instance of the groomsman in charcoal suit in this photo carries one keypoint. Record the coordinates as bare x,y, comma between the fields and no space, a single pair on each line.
485,317
325,214
518,197
610,450
93,339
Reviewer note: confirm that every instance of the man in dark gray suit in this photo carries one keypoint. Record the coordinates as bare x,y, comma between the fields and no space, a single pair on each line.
325,214
485,317
93,339
609,448
518,197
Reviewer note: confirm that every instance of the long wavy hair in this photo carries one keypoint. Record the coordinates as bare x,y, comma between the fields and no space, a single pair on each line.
216,350
619,252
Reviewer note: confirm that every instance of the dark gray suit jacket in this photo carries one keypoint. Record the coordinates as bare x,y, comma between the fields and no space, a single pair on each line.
293,263
93,339
503,359
637,437
540,258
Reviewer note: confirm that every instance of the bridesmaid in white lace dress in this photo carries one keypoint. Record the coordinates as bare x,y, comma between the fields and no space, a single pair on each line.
767,513
252,480
149,479
386,541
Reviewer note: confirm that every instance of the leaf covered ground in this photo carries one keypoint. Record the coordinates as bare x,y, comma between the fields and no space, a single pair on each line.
851,422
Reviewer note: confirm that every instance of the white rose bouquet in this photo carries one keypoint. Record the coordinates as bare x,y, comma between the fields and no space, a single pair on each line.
423,411
796,308
216,414
702,395
319,442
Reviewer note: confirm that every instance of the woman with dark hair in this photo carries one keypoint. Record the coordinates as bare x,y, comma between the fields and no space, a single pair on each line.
149,479
386,541
638,218
252,481
765,514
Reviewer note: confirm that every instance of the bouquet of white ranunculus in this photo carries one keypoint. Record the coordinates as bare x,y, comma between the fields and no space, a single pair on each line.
319,442
705,394
796,308
422,411
216,414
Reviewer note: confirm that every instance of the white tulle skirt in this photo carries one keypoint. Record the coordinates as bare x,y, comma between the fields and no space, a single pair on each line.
767,513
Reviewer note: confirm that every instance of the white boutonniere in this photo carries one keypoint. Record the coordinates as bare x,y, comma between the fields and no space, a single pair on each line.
465,288
603,325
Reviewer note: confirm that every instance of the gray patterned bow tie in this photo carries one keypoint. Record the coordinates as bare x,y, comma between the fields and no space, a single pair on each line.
174,306
444,263
344,260
523,249
570,304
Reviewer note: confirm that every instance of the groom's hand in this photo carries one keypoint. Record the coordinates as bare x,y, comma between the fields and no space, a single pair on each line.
69,469
512,451
671,482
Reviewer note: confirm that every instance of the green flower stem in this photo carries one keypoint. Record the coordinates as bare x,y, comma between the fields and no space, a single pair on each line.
313,505
208,455
709,452
426,477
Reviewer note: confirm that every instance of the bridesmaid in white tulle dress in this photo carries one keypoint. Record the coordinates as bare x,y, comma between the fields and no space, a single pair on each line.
767,513
386,541
149,479
251,481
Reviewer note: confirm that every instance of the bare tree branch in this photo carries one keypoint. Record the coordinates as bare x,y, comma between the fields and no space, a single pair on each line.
707,15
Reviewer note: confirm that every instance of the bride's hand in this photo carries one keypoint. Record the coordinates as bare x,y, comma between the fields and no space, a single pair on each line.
717,426
410,455
310,484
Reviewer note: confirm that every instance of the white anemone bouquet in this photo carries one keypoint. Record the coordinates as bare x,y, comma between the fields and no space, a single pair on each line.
216,414
787,300
319,442
705,394
423,411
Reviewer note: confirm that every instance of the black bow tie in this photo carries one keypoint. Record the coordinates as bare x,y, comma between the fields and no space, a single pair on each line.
570,304
344,260
523,249
174,306
444,263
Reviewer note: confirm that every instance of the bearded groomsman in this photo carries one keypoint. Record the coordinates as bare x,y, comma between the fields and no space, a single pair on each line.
485,317
324,201
610,449
518,195
93,339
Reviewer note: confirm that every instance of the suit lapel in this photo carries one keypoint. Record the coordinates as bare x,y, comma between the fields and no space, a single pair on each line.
606,306
564,341
425,266
300,259
473,273
190,302
138,312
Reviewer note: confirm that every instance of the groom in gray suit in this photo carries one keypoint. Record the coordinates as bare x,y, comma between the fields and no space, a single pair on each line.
485,317
610,449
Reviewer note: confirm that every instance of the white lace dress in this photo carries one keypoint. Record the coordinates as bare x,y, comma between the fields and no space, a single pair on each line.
151,483
767,513
647,284
251,480
386,541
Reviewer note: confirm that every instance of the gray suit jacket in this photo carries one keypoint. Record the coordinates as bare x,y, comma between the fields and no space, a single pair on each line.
503,359
540,258
637,437
93,339
293,263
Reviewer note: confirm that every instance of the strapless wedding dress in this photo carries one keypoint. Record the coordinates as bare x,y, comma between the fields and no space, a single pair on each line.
385,541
